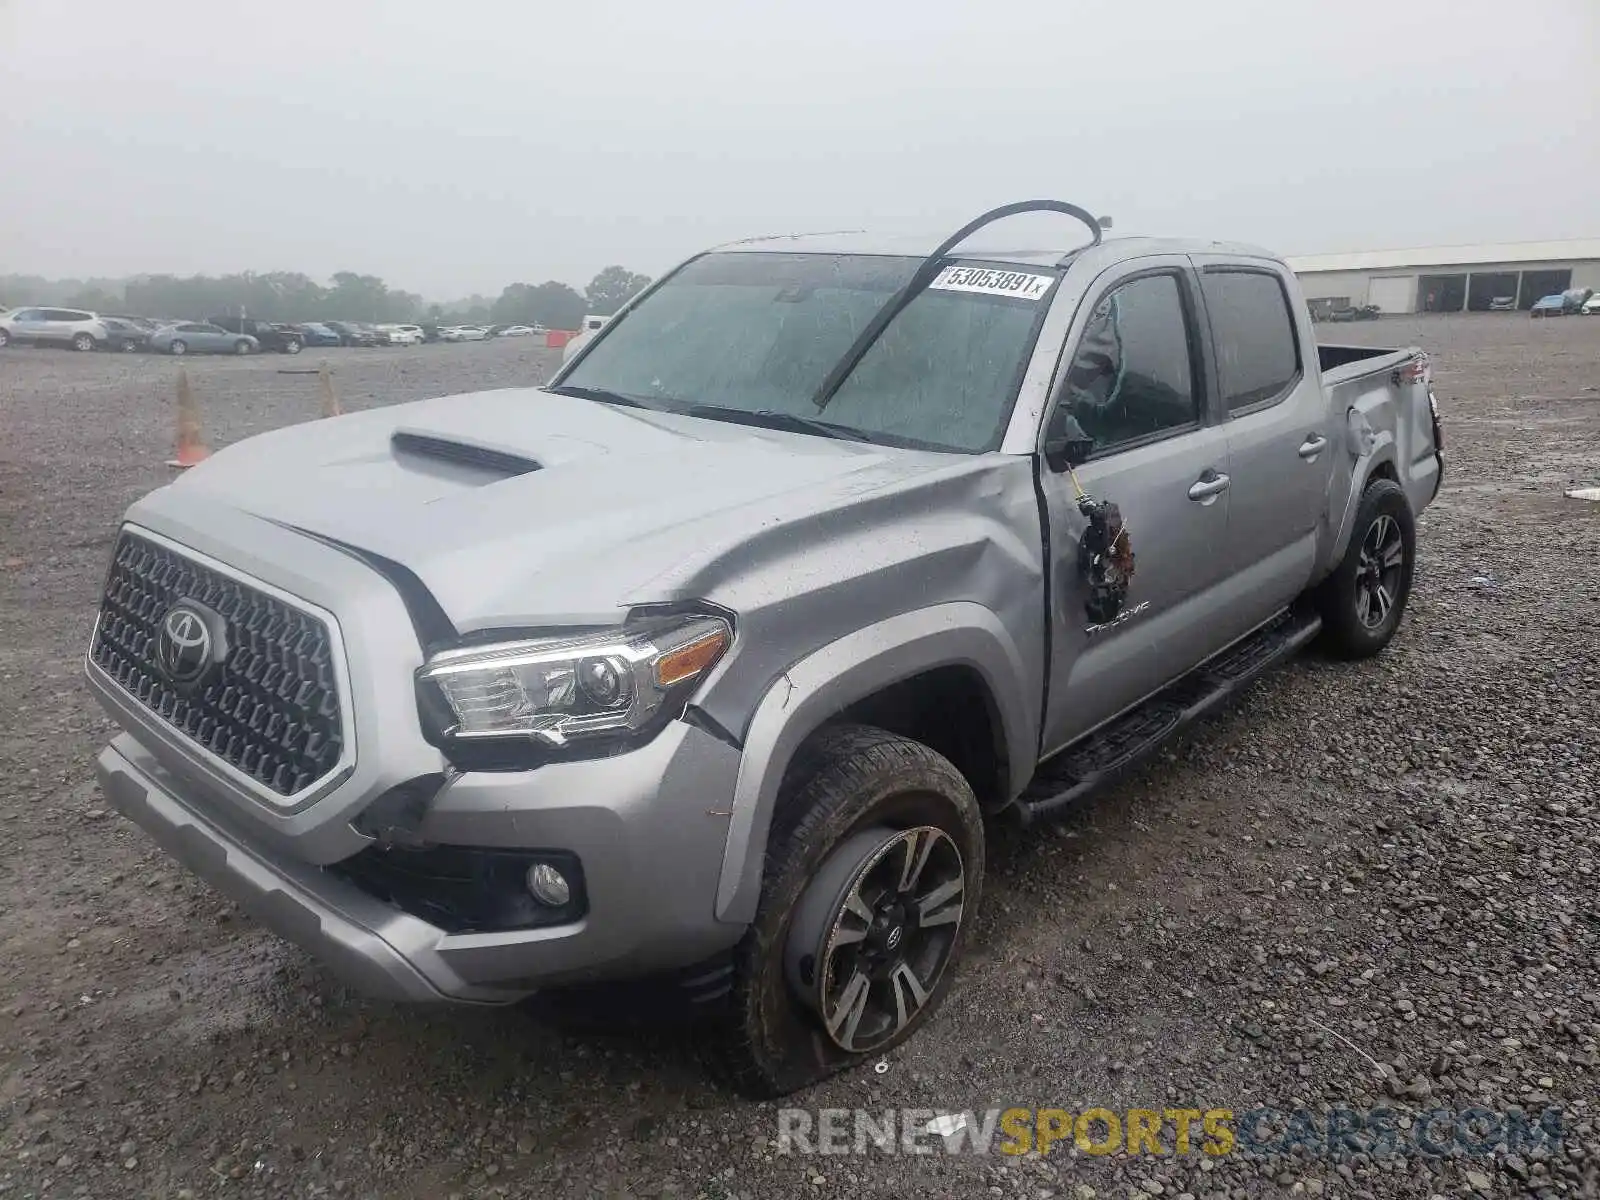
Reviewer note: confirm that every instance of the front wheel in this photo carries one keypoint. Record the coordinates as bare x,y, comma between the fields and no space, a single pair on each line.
291,347
874,870
1365,597
241,347
83,342
5,338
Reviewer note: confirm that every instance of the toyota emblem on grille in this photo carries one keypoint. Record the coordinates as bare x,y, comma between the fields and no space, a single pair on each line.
186,647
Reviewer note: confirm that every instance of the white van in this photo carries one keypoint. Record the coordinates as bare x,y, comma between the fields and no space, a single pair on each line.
592,324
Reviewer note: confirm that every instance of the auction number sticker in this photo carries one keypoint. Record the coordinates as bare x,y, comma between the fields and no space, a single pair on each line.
1021,285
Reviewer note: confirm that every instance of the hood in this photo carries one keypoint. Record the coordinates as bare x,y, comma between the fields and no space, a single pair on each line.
521,507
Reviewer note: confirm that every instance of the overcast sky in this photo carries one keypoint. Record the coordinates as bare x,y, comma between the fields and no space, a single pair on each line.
454,146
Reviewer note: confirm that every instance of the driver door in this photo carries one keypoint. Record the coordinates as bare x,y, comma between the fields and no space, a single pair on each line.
1137,384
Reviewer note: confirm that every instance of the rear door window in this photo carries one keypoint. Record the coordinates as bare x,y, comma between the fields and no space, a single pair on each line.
1258,355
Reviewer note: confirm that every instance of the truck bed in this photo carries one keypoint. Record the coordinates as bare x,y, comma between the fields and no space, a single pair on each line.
1384,405
1335,358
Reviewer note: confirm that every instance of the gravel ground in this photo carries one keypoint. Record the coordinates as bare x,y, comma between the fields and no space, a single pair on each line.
1363,884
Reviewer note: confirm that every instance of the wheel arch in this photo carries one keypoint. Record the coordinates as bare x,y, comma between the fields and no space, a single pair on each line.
930,671
1378,459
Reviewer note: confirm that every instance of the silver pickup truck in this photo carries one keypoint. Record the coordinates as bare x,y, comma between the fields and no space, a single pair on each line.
708,663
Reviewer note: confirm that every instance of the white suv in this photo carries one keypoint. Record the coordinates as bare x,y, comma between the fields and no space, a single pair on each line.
59,326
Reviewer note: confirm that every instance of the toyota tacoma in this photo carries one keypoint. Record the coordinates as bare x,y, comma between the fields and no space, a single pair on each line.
709,663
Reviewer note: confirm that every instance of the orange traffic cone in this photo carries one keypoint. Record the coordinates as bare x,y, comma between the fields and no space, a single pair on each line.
330,398
191,446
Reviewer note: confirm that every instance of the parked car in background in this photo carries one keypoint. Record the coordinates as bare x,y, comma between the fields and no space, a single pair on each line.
1364,312
1549,306
1573,299
284,339
1591,306
148,324
405,335
317,334
124,334
353,334
517,331
53,327
1502,304
200,337
463,333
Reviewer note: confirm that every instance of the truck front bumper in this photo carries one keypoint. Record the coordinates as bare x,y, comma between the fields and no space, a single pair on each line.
650,889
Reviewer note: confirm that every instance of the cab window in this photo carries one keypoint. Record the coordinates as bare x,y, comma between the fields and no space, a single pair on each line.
1132,376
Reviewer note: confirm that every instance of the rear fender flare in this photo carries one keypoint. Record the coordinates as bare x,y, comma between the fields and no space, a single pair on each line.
830,679
1370,449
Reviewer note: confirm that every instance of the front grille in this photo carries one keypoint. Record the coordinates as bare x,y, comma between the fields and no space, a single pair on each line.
270,708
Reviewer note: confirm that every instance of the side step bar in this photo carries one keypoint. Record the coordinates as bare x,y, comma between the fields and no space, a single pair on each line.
1103,756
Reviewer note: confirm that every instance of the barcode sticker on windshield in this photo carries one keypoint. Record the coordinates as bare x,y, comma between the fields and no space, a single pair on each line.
1018,284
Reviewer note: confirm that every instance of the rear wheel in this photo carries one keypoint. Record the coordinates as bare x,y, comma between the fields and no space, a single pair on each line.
83,341
292,346
873,873
178,346
241,347
5,338
1365,597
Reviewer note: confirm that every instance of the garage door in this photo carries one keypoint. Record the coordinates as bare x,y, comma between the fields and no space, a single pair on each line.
1394,293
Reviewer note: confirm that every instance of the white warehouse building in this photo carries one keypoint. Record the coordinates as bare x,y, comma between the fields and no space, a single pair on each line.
1448,278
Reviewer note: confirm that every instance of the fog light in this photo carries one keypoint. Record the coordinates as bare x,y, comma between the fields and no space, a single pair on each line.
548,886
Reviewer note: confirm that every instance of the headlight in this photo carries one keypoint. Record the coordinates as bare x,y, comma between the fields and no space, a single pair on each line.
559,691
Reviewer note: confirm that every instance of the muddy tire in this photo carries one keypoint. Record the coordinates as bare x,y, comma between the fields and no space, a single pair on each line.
873,874
1364,599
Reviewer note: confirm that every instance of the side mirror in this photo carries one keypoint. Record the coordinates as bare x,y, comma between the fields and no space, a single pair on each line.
1065,443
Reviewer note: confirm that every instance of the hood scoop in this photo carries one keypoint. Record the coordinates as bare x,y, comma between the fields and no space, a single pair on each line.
431,447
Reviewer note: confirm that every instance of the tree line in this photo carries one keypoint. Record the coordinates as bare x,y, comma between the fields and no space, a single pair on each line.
347,296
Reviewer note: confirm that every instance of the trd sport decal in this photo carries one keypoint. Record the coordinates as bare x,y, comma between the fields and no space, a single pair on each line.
1127,614
1019,285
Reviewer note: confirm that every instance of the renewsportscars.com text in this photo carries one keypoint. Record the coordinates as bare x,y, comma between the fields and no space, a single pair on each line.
1333,1133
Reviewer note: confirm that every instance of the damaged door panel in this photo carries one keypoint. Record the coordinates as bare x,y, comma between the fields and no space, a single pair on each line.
1135,392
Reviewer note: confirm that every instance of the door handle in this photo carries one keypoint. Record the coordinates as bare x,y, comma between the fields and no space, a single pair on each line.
1208,487
1314,445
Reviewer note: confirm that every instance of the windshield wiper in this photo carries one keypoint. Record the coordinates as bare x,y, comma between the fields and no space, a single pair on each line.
603,396
767,418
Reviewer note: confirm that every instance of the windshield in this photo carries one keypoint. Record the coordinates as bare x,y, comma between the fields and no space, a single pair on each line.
759,333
